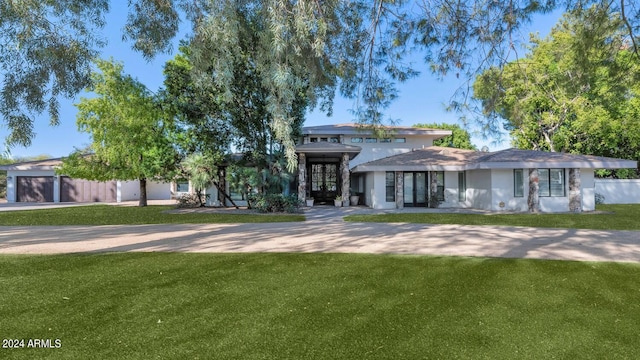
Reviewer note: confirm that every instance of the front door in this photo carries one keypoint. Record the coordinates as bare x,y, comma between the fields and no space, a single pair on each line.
324,182
415,189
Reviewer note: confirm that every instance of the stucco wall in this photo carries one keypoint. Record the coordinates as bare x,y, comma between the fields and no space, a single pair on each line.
128,191
158,190
376,189
502,191
478,189
618,191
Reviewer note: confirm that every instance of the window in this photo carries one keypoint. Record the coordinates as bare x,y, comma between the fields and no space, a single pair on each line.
324,139
334,139
356,139
462,186
400,140
371,140
385,140
313,139
390,186
518,183
551,182
440,187
182,186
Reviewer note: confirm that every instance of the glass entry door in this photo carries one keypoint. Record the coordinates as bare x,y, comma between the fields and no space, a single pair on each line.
415,189
324,182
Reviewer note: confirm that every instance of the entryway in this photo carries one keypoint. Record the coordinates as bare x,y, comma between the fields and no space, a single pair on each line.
324,182
415,189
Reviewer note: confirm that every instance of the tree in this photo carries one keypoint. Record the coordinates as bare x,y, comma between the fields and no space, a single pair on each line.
130,136
459,137
567,96
306,47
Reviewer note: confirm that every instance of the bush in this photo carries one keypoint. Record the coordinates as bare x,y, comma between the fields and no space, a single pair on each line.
272,203
599,199
191,200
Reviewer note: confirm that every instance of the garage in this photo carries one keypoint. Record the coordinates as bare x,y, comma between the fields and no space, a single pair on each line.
34,189
79,190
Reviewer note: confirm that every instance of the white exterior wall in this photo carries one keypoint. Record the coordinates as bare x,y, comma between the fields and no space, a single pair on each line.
450,190
375,151
588,184
158,190
478,189
502,191
376,188
617,191
128,191
12,181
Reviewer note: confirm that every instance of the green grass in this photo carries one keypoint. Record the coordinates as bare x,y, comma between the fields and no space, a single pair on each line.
131,215
317,306
608,217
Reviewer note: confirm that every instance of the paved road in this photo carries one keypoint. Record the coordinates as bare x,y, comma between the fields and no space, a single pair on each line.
324,232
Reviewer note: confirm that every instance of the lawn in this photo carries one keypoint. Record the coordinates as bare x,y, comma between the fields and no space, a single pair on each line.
317,306
607,217
131,215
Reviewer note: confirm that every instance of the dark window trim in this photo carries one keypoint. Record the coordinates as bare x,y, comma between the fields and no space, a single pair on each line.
519,193
564,183
390,190
462,186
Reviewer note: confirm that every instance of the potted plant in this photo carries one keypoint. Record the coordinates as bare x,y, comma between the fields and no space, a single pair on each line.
354,199
338,201
309,201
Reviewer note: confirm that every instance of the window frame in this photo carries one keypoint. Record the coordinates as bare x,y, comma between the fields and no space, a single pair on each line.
357,140
462,186
518,190
390,188
548,182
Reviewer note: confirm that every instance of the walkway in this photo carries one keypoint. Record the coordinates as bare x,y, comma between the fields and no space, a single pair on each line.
325,232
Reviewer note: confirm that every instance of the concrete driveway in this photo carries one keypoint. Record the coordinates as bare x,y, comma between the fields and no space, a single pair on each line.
328,233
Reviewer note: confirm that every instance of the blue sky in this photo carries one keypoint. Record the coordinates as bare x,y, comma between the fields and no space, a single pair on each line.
421,100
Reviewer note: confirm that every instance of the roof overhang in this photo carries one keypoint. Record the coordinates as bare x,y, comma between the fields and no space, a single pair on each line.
327,148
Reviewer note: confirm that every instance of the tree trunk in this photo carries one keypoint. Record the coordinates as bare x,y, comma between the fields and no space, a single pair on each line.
143,192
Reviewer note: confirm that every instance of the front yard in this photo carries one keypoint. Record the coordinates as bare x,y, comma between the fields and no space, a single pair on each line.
606,217
317,306
132,215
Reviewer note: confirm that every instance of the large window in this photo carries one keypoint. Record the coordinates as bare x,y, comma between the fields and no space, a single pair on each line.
462,186
551,182
440,185
182,186
518,183
390,186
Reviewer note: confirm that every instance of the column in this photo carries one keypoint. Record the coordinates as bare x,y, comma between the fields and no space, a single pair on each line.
575,192
433,189
302,176
534,200
399,190
346,179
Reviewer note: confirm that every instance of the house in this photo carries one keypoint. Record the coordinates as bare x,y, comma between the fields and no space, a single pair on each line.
402,168
391,169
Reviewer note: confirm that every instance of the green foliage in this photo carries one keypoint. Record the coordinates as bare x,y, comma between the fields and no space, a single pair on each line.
130,136
275,203
576,91
459,137
202,172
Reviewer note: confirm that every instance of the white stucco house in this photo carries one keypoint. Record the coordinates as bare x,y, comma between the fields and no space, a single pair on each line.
404,169
396,169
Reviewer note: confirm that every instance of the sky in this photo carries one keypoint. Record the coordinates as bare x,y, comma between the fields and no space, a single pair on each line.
421,100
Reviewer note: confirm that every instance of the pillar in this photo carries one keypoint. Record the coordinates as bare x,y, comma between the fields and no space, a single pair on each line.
346,179
433,189
302,176
399,190
533,201
575,192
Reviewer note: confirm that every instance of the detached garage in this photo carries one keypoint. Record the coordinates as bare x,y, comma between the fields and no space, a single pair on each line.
36,181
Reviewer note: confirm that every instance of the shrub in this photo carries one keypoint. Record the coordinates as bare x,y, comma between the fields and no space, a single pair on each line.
599,199
191,200
272,203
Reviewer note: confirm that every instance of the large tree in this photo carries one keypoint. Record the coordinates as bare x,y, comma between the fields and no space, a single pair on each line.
459,138
131,136
313,47
569,96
